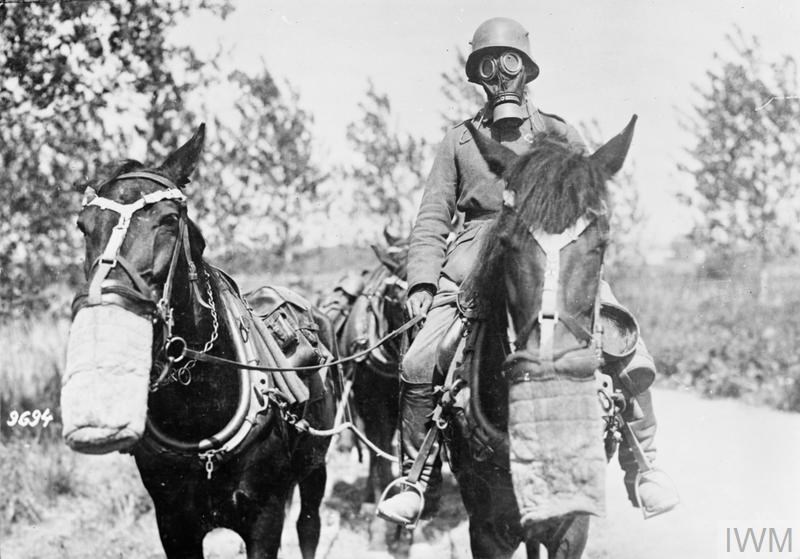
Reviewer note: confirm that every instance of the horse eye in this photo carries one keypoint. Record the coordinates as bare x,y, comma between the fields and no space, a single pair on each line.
168,220
81,226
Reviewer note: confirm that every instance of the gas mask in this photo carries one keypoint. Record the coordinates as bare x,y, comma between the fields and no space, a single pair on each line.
502,76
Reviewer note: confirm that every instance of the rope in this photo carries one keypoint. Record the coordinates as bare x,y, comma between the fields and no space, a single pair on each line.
362,437
338,428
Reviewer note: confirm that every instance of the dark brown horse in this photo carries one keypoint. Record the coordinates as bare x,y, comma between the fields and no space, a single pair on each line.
211,441
376,311
538,277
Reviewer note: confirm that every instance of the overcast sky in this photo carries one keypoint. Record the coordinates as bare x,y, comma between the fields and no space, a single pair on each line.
601,60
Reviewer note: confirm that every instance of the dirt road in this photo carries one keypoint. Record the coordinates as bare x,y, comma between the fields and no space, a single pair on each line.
736,467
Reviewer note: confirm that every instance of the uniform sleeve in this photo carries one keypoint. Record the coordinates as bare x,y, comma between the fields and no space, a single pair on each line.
642,357
429,236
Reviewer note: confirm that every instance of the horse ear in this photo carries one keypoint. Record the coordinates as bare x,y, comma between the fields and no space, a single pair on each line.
181,163
497,156
384,257
390,238
612,155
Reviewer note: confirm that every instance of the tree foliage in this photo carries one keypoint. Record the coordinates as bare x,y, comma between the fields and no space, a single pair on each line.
86,83
75,79
745,160
259,186
463,98
390,165
628,217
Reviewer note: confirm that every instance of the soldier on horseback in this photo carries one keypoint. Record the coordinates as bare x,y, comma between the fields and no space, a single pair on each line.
460,181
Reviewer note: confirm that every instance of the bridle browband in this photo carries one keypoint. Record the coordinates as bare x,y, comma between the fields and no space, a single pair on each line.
100,288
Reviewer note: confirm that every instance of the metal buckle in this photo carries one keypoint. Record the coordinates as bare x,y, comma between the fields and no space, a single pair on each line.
175,349
547,316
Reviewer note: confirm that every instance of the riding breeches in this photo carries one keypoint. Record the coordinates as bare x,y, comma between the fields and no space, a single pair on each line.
419,362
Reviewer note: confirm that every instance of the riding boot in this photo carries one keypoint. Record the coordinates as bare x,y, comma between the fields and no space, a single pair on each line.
417,405
651,489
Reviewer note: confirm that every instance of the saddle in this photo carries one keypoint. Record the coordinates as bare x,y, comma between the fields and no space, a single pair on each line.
458,360
296,328
368,323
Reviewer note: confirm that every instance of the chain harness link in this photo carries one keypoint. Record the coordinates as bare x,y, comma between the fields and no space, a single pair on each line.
184,373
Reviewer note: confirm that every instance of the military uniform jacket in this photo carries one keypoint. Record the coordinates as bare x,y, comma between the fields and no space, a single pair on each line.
460,180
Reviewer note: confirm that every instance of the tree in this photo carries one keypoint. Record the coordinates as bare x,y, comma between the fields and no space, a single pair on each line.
627,215
463,98
73,77
259,185
390,167
745,160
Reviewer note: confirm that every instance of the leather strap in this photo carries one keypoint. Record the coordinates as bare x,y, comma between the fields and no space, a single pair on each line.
110,255
206,358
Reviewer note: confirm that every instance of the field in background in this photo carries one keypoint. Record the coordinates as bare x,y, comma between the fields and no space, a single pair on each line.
722,338
716,337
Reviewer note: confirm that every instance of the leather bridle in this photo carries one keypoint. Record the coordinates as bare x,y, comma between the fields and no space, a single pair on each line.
141,298
549,316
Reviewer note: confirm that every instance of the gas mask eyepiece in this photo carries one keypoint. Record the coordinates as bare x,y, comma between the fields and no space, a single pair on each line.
503,77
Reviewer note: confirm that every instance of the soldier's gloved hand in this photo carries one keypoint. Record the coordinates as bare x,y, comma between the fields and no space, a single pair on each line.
419,301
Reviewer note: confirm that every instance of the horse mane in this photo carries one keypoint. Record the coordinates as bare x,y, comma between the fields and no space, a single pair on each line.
553,185
111,171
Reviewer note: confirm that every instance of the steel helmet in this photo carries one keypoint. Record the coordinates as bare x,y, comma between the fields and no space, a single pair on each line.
500,33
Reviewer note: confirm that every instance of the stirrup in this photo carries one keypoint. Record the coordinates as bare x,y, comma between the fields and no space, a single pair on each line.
406,485
638,481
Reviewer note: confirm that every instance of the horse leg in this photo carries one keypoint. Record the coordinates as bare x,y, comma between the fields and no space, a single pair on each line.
568,541
180,532
312,489
386,406
532,549
262,526
376,400
493,514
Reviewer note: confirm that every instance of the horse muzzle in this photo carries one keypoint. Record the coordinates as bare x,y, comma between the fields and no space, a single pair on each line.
106,379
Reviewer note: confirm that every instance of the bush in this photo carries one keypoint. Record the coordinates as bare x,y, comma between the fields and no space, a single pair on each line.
34,476
716,337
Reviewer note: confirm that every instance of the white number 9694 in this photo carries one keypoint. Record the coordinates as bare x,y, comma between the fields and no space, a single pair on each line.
29,418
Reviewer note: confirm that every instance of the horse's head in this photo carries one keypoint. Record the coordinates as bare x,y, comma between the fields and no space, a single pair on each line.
141,257
394,256
542,260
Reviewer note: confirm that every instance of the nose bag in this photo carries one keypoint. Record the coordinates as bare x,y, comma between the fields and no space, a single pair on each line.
557,458
105,385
